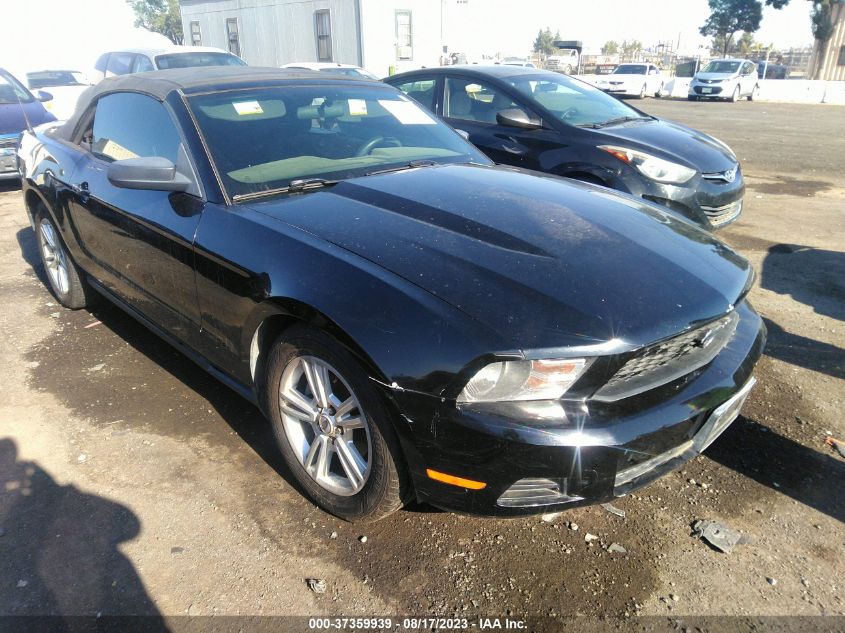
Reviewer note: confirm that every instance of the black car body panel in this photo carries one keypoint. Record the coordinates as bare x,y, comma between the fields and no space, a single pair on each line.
425,276
567,150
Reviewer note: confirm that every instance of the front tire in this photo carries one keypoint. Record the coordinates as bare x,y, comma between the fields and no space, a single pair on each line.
642,92
65,279
735,95
333,428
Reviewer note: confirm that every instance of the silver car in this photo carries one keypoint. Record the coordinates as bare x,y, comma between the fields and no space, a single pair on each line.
729,79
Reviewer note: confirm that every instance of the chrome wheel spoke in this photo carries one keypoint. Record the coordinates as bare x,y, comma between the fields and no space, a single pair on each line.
352,423
343,408
318,381
297,405
353,464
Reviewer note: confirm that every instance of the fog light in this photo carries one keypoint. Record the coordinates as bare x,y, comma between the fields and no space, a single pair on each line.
531,492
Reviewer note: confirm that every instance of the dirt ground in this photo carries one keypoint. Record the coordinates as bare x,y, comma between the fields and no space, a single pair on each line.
133,483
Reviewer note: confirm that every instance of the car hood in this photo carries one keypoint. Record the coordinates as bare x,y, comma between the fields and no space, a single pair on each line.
719,76
12,117
672,141
542,261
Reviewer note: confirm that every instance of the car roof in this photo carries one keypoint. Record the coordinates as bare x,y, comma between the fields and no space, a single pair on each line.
497,71
170,50
160,83
318,65
729,59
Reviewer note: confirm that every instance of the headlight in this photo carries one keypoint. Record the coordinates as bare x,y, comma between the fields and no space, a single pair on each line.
523,380
651,166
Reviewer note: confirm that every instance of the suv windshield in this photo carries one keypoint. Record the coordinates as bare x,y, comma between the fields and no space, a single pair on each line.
629,69
12,91
269,138
572,101
721,66
191,60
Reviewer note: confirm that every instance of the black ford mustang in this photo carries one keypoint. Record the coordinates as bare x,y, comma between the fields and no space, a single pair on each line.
414,322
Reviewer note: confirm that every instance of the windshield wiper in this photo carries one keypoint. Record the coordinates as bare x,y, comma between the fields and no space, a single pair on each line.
621,119
411,165
295,186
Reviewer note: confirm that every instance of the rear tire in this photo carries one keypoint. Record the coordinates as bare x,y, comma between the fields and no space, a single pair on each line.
66,280
754,92
659,92
339,442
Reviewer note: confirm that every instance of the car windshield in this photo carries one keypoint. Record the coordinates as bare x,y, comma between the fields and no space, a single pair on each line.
52,78
269,138
572,101
191,60
721,66
348,72
12,91
629,69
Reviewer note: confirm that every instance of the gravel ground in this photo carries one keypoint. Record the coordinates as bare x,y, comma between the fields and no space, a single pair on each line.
133,483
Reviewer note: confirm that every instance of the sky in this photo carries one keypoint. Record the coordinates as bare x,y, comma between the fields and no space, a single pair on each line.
73,33
513,24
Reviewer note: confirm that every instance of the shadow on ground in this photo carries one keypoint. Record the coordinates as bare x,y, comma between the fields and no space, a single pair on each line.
812,478
60,548
812,276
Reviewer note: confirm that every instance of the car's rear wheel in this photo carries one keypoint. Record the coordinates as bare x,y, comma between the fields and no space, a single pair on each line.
754,92
64,277
659,92
333,428
735,95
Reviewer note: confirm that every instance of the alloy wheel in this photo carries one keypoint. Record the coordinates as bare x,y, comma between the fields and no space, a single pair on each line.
55,259
325,425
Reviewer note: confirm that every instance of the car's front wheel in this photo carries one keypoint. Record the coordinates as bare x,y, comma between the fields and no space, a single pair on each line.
333,428
65,279
735,95
642,92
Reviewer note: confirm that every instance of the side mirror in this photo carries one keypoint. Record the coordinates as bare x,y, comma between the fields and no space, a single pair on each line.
152,173
516,117
43,95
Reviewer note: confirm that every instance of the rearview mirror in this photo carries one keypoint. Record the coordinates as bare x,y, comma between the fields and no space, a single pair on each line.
153,173
516,117
43,96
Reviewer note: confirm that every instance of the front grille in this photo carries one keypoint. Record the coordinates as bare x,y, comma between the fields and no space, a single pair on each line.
669,360
719,216
712,91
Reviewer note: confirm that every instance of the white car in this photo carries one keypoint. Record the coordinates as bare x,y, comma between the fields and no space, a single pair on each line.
65,85
333,68
635,80
729,79
139,60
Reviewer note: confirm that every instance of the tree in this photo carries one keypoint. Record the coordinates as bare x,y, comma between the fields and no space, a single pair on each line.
159,16
610,48
544,43
742,47
630,49
728,17
821,20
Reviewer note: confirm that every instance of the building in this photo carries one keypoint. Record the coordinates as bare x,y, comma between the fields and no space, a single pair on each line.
830,65
379,35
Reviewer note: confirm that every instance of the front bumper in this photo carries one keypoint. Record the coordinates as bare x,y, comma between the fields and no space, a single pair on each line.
8,156
587,449
721,90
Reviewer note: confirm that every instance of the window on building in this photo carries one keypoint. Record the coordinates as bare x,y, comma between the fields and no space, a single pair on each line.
404,36
196,34
233,36
324,35
841,61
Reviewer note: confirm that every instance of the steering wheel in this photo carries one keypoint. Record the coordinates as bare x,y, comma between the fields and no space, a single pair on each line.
374,142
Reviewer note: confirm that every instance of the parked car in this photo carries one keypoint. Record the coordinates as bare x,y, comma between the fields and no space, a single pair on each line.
65,85
548,122
515,61
564,60
332,68
772,69
415,322
141,60
636,80
729,79
19,110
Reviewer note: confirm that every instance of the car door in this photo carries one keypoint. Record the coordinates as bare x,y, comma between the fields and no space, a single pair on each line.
654,79
750,78
470,106
141,241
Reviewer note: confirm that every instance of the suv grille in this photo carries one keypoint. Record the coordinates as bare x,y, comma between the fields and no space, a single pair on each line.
669,360
9,141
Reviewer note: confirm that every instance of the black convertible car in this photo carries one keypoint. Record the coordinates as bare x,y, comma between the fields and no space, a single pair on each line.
415,322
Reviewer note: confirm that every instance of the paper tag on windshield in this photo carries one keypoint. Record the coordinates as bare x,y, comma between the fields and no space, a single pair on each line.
248,107
357,107
407,113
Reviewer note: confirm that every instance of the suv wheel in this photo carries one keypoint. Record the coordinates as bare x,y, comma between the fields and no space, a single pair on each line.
735,95
754,92
66,282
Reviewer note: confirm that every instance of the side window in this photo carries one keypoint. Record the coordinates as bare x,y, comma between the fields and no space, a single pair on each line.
420,90
142,64
130,125
101,63
474,101
120,64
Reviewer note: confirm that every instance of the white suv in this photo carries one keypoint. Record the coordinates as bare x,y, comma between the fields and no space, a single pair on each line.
729,79
141,60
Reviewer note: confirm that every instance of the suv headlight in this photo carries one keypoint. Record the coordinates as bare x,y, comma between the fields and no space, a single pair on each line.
523,380
651,166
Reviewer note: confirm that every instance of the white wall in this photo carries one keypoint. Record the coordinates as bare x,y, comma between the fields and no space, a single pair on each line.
378,20
275,32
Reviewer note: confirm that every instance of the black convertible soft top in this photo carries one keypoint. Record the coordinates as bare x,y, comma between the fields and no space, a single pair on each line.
160,83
